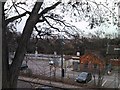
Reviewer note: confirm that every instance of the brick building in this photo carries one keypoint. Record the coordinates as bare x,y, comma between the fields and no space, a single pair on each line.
91,63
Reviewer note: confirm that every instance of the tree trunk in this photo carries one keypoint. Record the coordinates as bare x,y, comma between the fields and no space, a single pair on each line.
11,81
11,72
5,55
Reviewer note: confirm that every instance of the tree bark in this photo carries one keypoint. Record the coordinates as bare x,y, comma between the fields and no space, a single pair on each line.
11,72
21,50
10,81
5,55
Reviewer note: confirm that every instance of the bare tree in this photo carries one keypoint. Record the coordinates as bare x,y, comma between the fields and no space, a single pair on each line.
10,74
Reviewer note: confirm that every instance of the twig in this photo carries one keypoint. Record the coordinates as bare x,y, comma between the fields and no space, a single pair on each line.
51,25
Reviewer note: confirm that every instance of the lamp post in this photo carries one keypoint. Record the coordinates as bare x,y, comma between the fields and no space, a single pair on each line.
50,63
36,53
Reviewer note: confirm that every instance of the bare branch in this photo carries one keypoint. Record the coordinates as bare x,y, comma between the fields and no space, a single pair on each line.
37,30
56,20
16,17
65,25
49,8
42,20
9,9
101,5
40,32
51,25
20,3
60,21
15,7
23,9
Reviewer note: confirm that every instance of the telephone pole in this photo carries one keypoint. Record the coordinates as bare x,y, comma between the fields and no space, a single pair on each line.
62,69
61,52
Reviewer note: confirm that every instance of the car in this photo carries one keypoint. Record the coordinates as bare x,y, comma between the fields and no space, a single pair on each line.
84,77
23,67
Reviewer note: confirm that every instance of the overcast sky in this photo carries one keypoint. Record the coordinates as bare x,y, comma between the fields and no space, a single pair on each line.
82,25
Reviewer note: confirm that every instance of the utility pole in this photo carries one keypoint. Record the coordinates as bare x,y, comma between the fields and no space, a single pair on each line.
61,47
51,64
118,69
62,69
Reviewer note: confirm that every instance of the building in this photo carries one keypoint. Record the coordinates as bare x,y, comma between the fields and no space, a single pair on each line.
115,62
113,51
91,63
71,62
113,55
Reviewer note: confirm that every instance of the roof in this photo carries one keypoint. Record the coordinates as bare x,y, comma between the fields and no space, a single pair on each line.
68,57
91,58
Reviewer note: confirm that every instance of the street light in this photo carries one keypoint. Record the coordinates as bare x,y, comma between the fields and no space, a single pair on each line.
36,53
55,63
50,63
